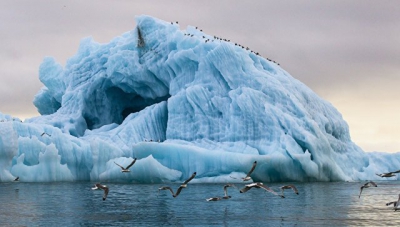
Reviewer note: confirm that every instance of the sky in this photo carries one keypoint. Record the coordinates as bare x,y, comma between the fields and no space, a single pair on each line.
348,52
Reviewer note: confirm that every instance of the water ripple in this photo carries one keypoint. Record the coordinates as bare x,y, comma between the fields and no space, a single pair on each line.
75,204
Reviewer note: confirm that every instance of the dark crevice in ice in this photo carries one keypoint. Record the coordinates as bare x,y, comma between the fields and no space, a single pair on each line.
115,106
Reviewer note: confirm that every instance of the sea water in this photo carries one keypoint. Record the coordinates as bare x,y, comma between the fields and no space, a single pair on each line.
76,204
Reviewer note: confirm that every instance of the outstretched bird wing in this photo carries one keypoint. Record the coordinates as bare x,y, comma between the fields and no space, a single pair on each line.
178,191
390,203
190,178
252,169
119,165
166,188
105,193
269,190
105,188
398,171
133,162
246,188
226,190
362,187
398,202
294,189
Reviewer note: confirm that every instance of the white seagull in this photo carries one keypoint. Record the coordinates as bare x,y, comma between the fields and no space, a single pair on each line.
226,191
367,185
126,169
389,174
103,187
248,177
395,204
183,185
226,196
289,187
259,185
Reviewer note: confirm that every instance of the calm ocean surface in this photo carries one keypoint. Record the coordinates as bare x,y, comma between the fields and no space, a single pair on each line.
75,204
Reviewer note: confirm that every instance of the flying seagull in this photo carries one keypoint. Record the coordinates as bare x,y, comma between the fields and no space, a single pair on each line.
183,185
170,189
259,185
103,187
226,191
213,199
389,174
97,188
45,133
125,170
16,179
289,187
367,185
226,196
395,204
247,177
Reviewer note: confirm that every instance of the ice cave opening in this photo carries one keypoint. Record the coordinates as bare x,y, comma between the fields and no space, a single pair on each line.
113,105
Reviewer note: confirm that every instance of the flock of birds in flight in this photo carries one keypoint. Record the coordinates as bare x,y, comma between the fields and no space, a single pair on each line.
185,183
396,204
247,187
216,38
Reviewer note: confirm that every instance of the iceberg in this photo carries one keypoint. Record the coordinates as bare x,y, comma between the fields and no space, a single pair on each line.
180,101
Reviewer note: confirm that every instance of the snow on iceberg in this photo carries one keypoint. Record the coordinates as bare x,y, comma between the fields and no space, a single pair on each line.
180,101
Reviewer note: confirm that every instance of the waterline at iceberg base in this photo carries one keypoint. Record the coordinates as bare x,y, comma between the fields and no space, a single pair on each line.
180,101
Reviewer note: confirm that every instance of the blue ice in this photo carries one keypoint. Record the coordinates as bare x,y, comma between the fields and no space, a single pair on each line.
179,105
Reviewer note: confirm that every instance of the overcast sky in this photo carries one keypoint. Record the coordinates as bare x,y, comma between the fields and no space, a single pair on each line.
348,52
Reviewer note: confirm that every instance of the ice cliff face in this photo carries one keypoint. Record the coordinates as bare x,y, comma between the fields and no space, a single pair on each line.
214,106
